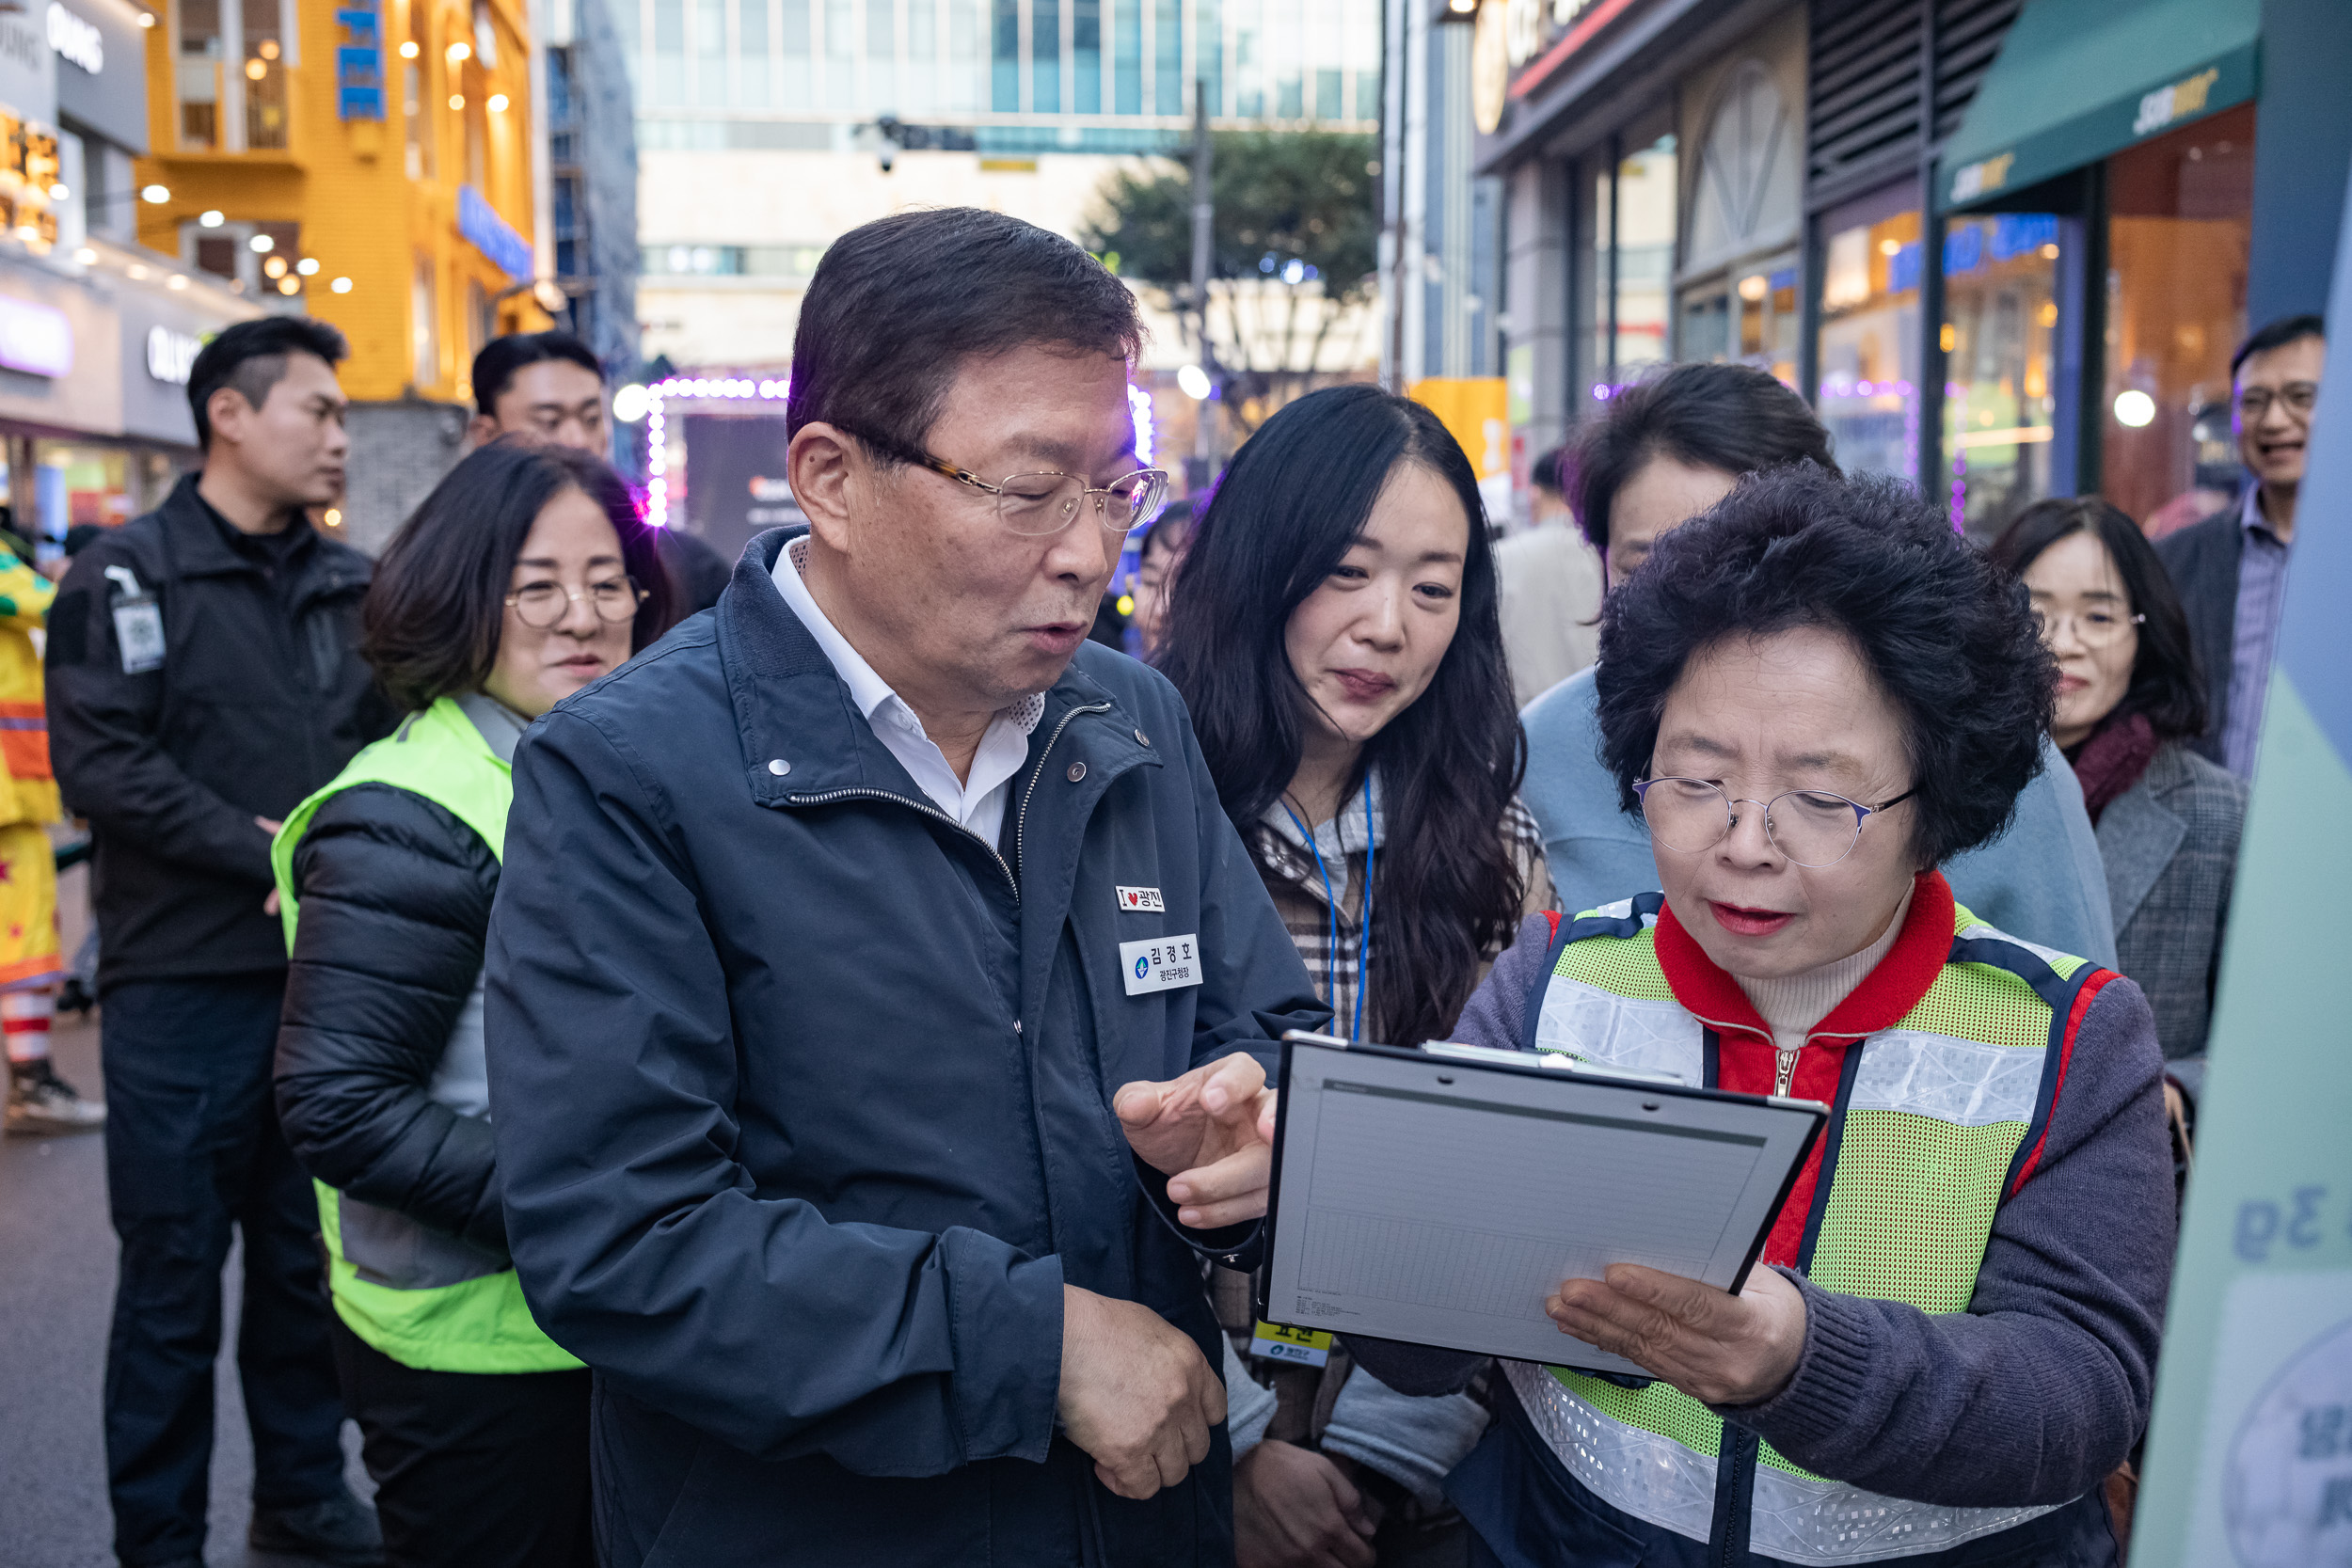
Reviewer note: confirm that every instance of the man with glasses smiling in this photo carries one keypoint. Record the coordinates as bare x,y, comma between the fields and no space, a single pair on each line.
878,996
2231,568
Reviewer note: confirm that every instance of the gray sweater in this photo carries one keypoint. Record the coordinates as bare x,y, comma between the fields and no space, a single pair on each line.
2037,1391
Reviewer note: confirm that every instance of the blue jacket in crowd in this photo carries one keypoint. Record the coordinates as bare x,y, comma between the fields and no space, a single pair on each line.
801,1096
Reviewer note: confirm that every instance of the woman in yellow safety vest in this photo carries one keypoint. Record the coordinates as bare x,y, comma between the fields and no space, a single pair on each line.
524,576
1816,694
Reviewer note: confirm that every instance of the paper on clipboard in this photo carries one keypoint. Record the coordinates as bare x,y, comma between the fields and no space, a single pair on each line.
1438,1201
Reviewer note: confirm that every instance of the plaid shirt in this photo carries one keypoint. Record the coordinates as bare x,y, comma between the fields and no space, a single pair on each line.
1333,949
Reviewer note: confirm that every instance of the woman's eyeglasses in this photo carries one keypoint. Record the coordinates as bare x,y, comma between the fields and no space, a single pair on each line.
2094,629
541,605
1813,828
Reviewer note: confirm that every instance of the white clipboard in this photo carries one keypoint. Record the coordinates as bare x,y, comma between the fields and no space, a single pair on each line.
1438,1196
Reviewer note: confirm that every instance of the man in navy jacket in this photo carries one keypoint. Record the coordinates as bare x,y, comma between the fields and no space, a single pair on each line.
879,996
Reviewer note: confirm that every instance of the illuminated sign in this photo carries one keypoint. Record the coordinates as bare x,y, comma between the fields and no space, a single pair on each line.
171,356
479,222
35,339
1541,35
76,42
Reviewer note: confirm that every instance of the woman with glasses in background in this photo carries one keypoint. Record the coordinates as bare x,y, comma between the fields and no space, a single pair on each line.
1816,696
2131,703
1334,629
524,576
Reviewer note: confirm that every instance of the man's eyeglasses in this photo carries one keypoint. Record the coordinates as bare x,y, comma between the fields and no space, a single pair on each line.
541,605
1044,502
2253,402
2094,629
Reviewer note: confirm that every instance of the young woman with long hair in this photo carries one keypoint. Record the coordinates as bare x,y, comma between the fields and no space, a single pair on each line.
1333,629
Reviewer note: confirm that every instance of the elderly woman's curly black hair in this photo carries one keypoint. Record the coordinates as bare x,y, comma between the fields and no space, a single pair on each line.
1949,638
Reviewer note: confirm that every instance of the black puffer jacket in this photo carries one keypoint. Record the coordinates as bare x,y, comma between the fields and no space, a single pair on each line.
395,898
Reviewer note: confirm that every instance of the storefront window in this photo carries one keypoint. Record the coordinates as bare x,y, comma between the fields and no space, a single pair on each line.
1648,192
1868,395
2179,217
2001,309
198,72
80,484
1749,317
264,80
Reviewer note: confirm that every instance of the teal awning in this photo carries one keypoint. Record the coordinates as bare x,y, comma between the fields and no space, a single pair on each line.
2077,80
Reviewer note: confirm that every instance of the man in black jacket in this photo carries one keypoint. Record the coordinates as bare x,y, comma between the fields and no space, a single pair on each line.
203,679
2230,569
878,993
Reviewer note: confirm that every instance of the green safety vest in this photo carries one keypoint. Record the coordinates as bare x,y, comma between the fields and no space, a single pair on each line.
425,1300
1934,1118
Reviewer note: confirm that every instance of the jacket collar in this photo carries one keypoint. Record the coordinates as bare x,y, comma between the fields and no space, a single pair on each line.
793,709
1885,995
205,544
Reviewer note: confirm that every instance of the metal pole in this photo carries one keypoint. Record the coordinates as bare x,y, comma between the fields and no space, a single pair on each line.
1203,245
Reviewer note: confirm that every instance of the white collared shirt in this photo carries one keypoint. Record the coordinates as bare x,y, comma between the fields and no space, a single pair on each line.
977,801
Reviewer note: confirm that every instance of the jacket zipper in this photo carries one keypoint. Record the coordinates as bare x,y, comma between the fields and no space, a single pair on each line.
828,797
1020,827
1785,1069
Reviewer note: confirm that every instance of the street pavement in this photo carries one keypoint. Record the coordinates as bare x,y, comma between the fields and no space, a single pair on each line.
56,1289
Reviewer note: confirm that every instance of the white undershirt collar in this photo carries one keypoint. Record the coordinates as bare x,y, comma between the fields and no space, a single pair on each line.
978,801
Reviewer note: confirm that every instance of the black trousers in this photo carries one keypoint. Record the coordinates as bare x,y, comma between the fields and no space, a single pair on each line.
193,1149
472,1470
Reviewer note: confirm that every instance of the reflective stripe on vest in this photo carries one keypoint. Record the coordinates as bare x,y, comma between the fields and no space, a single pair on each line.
427,1301
1934,1117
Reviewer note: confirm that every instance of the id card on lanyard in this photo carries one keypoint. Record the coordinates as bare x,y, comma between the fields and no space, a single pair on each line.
138,623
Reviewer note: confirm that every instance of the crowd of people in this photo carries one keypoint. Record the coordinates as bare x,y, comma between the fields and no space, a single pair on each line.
689,1051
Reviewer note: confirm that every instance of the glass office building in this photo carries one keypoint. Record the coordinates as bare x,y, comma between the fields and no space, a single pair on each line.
1020,75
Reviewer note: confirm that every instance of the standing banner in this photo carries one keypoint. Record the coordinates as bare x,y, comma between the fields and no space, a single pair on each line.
2250,1454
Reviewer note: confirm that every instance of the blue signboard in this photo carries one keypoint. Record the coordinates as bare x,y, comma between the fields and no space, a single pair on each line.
479,222
359,64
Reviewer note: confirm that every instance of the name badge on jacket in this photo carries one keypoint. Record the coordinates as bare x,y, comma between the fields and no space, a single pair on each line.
1160,964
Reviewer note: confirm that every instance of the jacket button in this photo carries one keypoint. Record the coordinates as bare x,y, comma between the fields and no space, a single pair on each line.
1142,739
779,766
1077,771
1016,1026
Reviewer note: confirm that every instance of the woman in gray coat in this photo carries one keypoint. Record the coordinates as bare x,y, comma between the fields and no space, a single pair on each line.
2130,702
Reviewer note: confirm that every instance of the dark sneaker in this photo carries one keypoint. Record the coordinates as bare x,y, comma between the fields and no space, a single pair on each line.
41,1101
339,1529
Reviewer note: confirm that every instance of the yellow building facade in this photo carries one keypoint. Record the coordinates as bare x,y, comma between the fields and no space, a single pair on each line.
367,162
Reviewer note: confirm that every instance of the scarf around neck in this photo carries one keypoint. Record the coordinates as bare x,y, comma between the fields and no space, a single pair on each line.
2112,760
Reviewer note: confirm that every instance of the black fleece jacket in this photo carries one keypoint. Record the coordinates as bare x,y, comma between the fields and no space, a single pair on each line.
395,898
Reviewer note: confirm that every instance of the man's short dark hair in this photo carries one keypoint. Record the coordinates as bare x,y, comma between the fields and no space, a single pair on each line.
502,359
250,356
1948,636
2278,334
897,305
1546,472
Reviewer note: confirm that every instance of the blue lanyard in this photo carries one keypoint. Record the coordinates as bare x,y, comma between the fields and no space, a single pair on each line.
1332,907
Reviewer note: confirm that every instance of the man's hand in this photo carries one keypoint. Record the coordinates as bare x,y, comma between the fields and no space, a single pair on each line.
1212,1130
1135,1393
1719,1349
1294,1508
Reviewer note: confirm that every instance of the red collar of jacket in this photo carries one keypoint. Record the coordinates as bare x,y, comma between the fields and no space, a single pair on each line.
1885,995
